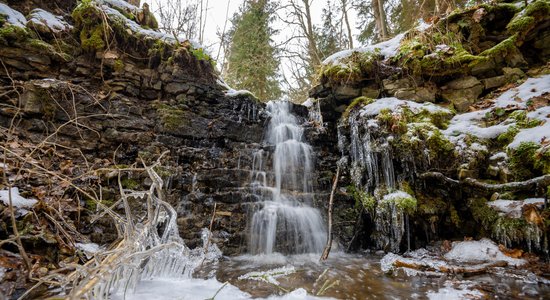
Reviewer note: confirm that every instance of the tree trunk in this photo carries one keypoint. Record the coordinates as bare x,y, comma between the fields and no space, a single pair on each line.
380,19
346,19
328,246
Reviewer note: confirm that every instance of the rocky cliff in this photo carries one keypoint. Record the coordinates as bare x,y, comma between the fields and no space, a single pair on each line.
443,131
87,97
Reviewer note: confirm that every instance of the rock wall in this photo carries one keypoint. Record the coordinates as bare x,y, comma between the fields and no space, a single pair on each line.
75,108
434,123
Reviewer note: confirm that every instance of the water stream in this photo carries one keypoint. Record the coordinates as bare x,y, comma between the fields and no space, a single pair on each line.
284,220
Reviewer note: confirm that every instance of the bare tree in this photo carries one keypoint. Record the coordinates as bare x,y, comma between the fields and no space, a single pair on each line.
180,17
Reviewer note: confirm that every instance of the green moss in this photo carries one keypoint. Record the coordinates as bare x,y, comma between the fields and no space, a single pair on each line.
163,171
200,54
522,160
482,213
130,183
10,33
542,159
92,39
430,206
89,20
171,117
406,204
362,199
350,69
527,18
507,137
455,218
118,66
48,49
439,144
91,204
503,48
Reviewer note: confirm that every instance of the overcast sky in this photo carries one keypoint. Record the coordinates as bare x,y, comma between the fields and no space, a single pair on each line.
217,15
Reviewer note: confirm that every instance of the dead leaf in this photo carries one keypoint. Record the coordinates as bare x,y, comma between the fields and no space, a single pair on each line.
478,14
513,253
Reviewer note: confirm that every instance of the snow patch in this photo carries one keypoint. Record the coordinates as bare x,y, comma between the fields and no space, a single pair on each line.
396,195
182,289
483,250
13,16
448,292
121,4
513,208
54,23
16,199
532,87
387,49
137,29
542,114
235,93
467,124
498,156
535,135
395,104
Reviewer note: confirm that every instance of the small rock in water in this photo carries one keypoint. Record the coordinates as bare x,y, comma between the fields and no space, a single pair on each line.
530,290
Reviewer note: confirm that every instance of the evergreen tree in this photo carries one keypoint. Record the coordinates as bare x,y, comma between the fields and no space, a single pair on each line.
252,61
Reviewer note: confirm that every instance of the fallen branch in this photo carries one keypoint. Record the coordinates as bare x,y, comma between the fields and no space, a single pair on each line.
488,187
328,246
450,269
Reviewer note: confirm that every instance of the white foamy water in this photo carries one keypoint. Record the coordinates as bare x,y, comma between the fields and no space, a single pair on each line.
284,220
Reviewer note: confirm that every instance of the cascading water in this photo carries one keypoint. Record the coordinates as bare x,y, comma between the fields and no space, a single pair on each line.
285,221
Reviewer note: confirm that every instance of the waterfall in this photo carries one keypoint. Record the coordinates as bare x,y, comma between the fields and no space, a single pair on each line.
284,220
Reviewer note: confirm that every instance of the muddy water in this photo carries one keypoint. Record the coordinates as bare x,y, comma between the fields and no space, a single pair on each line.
360,277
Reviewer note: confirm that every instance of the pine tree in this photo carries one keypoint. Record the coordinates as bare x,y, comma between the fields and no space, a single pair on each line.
252,62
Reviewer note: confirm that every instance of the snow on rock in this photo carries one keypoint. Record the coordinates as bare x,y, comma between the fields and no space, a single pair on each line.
513,208
40,17
396,196
12,16
449,292
483,250
535,135
471,123
140,31
395,104
468,124
518,96
542,114
498,156
417,257
387,49
17,200
235,93
121,4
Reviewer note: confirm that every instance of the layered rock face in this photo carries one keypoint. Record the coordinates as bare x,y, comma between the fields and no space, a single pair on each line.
438,121
93,93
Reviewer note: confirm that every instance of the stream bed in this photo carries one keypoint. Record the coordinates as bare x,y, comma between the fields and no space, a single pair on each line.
361,277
